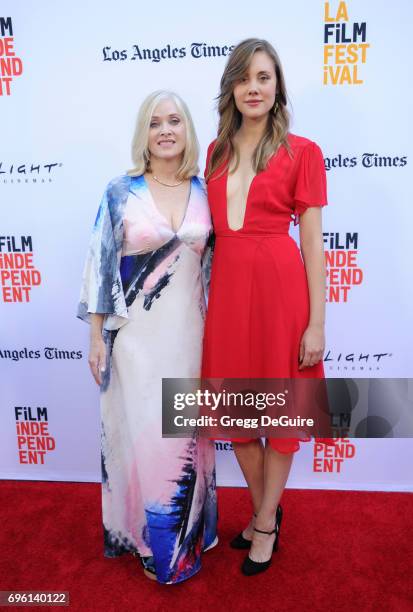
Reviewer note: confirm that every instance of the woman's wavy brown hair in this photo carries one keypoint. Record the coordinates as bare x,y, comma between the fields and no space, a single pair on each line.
230,118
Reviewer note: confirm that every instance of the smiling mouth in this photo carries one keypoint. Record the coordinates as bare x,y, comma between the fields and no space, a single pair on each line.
166,142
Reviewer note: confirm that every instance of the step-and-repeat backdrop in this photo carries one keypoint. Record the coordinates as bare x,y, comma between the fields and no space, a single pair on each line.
72,76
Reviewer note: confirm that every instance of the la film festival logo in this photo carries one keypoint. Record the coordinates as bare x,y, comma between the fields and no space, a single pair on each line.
343,272
11,66
18,273
345,46
34,440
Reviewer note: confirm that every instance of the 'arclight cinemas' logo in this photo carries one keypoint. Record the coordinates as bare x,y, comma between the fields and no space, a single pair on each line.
18,274
197,50
357,360
31,172
343,272
10,65
33,437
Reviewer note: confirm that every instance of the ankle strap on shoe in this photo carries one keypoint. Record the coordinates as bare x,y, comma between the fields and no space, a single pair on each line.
267,532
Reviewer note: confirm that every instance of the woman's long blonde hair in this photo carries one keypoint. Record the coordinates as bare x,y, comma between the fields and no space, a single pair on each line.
230,118
140,152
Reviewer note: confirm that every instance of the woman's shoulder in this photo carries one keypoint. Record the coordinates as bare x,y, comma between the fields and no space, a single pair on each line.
199,183
117,191
123,180
210,148
299,144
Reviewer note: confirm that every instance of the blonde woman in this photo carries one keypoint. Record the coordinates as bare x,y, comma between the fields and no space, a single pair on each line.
143,296
266,305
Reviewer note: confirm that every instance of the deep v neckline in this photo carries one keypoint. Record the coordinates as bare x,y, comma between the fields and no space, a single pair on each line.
161,215
244,220
246,210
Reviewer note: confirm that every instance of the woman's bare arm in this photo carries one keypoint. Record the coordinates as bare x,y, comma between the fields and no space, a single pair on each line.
312,249
97,351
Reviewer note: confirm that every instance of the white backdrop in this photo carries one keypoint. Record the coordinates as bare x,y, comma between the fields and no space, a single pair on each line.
67,118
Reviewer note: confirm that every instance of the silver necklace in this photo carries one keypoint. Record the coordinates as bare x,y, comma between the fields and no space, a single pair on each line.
155,178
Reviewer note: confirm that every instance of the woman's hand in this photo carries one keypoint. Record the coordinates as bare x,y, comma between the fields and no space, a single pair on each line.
311,346
97,357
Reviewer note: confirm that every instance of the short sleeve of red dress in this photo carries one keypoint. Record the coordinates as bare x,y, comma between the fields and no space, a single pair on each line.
311,183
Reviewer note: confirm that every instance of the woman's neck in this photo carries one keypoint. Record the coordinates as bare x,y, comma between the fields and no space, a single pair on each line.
251,131
165,168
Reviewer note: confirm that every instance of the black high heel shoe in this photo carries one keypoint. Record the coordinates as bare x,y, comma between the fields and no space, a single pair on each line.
241,543
250,567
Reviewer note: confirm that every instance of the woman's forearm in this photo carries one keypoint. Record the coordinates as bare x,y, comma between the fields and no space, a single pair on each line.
96,324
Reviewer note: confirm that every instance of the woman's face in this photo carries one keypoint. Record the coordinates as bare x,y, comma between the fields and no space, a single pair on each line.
167,132
254,93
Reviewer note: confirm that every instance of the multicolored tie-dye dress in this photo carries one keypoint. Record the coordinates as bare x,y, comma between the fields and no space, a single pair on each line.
158,494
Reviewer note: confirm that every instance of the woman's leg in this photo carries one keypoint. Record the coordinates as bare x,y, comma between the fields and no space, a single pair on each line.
250,456
276,470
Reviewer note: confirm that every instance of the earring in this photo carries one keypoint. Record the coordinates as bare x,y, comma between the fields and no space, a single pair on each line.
275,107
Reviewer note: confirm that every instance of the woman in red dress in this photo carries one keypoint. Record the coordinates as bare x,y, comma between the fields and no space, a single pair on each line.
266,303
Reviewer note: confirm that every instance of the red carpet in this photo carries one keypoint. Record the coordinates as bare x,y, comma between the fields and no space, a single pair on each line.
338,551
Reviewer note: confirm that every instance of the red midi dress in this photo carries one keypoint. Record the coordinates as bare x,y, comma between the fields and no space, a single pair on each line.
258,306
